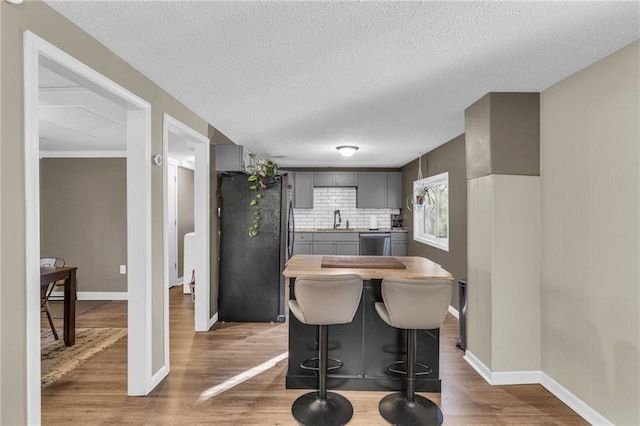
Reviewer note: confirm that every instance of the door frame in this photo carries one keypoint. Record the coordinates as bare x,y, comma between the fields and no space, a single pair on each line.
172,213
202,318
140,376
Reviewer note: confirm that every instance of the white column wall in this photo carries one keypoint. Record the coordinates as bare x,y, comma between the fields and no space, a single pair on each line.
504,273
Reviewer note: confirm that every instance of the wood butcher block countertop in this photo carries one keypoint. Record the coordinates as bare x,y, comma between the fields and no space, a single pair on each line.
384,262
415,267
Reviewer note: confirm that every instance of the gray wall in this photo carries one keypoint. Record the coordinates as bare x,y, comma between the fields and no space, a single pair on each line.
83,216
218,138
590,294
39,18
503,135
185,213
451,158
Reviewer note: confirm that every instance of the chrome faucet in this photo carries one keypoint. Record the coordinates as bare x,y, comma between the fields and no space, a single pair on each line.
336,215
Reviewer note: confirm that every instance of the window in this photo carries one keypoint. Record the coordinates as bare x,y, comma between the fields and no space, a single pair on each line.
431,211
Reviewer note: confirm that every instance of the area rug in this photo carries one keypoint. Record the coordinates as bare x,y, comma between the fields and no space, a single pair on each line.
58,359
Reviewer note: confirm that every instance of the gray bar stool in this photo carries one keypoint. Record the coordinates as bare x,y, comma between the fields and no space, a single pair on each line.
322,301
412,304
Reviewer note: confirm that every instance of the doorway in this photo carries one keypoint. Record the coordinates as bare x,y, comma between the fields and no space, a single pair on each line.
190,146
37,53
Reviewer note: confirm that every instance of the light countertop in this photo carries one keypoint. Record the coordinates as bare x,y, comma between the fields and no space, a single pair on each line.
350,230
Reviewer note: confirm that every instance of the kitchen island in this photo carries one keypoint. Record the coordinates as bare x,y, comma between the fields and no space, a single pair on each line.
367,344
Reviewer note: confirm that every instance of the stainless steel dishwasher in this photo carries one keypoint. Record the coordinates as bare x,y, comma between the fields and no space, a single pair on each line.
375,244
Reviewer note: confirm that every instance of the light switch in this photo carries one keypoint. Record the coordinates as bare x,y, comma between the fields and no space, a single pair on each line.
123,269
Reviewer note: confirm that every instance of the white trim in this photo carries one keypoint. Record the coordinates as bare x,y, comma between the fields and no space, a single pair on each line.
96,295
202,319
515,377
418,212
202,179
83,154
165,247
453,311
181,163
32,224
501,377
160,375
38,52
139,312
477,365
538,377
573,402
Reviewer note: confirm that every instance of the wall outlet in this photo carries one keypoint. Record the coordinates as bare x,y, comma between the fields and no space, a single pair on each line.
123,269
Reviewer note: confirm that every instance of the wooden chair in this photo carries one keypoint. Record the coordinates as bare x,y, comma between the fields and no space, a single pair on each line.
46,290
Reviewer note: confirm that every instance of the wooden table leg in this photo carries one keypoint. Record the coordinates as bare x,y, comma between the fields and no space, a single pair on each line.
70,296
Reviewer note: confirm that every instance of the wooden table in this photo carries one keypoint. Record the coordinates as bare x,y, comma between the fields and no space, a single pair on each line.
68,274
367,344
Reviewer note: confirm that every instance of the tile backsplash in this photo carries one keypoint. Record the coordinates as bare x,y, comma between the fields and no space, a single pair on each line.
326,200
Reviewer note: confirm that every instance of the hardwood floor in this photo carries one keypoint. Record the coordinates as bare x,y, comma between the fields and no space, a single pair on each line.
96,393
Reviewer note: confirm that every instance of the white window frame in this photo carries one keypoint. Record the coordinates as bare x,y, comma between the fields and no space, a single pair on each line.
419,233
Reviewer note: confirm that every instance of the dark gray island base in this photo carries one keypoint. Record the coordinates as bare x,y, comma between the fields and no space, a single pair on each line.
365,346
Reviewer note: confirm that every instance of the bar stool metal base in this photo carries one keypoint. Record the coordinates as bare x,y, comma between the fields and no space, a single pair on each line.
309,409
336,364
397,410
392,367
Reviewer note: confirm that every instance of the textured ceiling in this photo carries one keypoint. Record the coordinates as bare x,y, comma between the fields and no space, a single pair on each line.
292,80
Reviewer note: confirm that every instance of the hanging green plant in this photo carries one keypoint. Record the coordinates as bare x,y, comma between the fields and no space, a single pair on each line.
264,174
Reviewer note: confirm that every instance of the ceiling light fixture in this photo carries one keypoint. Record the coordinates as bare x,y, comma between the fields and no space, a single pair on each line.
347,150
14,1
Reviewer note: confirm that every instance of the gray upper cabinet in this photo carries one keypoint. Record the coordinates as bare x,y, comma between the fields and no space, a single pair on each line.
394,190
346,178
372,190
335,179
379,190
302,190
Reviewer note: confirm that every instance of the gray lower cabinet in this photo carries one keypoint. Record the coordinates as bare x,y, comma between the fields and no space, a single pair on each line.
303,243
398,244
336,243
324,247
302,189
379,190
348,248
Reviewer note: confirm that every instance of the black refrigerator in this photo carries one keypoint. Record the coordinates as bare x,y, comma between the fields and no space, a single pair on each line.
252,287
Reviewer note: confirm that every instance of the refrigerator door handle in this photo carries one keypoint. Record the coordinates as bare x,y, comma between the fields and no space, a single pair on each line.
291,230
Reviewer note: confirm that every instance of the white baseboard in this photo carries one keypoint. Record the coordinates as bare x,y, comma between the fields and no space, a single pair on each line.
538,377
96,295
515,377
502,377
573,402
477,365
453,311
